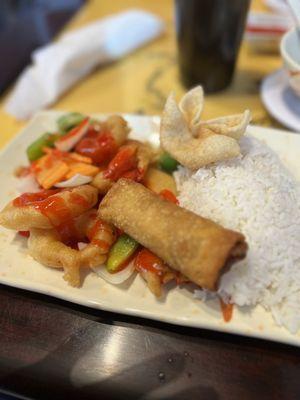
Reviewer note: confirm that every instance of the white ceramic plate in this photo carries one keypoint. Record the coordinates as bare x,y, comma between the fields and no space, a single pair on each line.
178,306
280,101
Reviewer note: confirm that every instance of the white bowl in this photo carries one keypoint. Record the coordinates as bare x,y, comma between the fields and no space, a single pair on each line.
290,53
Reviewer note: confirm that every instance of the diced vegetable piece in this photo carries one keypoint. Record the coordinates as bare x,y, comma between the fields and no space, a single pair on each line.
70,139
168,195
167,163
82,169
68,121
48,177
157,181
76,180
80,158
120,252
148,261
35,150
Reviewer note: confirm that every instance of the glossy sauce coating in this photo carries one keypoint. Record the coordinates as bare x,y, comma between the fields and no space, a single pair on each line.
55,209
147,261
124,161
100,147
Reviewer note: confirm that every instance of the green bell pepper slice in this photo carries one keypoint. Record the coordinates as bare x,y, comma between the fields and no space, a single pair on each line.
35,150
120,252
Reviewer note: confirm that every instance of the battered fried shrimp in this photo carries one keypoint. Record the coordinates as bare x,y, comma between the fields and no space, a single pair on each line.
144,156
101,236
101,183
118,128
153,282
31,211
45,247
155,272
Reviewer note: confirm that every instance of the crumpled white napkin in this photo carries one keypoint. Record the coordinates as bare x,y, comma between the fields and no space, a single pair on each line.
57,66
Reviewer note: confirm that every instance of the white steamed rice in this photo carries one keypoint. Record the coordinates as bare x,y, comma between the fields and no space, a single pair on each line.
256,195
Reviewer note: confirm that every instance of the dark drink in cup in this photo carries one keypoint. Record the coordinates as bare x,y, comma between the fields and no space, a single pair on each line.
209,34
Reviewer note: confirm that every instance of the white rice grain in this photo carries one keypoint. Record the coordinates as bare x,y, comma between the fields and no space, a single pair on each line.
256,195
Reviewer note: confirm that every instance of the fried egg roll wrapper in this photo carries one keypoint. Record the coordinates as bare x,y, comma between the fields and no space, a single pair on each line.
197,247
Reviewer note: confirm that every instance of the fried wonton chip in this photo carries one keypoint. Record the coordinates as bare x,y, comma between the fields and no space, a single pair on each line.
195,143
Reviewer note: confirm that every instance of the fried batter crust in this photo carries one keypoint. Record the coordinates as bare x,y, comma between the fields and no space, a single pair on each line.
195,246
28,217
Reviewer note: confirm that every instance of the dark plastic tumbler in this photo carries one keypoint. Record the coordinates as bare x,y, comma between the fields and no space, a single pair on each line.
209,34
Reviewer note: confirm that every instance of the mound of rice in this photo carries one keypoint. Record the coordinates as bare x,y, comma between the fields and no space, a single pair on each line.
257,196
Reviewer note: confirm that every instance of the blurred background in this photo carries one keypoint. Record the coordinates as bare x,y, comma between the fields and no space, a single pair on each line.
140,81
26,25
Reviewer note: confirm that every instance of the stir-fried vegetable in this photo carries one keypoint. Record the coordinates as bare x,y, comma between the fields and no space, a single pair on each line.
120,252
69,121
168,195
56,166
35,150
70,139
167,163
148,261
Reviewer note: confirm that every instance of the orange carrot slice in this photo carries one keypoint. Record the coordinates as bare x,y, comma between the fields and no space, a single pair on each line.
83,169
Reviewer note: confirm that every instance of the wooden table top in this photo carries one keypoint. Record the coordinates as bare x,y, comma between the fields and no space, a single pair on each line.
141,81
50,349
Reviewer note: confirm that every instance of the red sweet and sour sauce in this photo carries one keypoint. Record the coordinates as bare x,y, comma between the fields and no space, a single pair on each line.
227,310
147,261
55,209
97,227
123,162
100,147
28,199
168,195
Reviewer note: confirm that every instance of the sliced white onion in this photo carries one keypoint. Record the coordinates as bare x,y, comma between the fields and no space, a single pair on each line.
76,180
82,245
118,277
28,184
67,143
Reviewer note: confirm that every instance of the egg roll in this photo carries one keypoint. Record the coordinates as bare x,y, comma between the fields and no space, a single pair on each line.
197,247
